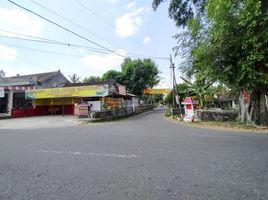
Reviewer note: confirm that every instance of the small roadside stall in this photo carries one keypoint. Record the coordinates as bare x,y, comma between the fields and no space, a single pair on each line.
190,109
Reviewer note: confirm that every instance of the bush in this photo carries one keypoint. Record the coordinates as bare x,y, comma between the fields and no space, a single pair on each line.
167,113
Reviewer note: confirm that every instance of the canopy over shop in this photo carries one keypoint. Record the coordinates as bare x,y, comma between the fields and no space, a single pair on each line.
99,96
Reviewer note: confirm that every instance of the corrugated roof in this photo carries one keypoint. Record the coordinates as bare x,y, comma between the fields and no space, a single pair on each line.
38,76
27,79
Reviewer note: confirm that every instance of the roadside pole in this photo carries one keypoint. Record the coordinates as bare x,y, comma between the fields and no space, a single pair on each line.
175,89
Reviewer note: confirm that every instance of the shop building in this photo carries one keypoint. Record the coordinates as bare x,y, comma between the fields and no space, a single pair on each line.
98,96
12,91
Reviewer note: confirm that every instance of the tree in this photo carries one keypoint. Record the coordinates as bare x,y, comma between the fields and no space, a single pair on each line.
113,74
91,79
181,11
228,42
74,78
184,91
139,74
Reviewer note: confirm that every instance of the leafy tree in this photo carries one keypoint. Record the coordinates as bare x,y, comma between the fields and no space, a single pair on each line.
91,79
74,78
228,42
184,91
152,99
181,11
113,74
139,74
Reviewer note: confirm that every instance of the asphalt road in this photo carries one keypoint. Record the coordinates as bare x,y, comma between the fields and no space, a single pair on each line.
145,157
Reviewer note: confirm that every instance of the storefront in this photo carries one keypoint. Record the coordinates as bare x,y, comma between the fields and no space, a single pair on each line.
12,91
54,101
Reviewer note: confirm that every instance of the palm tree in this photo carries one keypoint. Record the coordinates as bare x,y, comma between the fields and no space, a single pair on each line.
74,78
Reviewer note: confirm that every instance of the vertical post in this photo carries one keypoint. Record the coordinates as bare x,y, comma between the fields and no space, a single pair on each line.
175,85
62,102
172,77
10,101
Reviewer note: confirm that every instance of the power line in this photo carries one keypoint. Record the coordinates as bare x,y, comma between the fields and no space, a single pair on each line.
66,29
44,40
75,24
110,24
54,42
40,50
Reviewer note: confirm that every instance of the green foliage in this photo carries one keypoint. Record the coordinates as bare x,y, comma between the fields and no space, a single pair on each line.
181,11
91,79
153,99
228,43
113,74
237,49
167,113
139,74
74,78
184,91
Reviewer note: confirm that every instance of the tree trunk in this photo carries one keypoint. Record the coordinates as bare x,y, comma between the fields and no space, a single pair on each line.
243,108
266,101
250,107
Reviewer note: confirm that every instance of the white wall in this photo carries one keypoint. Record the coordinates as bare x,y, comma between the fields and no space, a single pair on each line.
96,105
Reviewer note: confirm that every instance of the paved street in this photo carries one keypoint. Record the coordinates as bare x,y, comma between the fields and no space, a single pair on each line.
145,157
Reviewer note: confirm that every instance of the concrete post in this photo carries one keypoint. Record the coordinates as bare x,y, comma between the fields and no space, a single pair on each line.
10,101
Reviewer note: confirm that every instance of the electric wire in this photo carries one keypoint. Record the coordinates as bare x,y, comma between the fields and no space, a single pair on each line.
54,42
75,24
66,29
110,24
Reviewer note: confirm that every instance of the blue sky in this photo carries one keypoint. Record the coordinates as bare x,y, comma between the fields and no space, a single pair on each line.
126,27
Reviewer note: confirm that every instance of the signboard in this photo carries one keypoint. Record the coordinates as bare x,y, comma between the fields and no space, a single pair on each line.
82,91
83,110
2,92
156,91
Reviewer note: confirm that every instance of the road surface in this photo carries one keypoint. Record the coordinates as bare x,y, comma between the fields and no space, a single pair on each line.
145,157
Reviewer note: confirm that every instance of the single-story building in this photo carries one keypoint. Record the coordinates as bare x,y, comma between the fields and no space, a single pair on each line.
99,96
12,91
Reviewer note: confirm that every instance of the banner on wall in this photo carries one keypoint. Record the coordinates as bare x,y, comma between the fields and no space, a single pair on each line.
81,91
156,91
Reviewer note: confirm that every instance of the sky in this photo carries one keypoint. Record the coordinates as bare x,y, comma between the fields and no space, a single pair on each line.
104,32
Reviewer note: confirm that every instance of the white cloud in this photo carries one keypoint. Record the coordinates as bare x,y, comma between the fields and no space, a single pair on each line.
18,21
162,85
131,5
130,23
146,40
7,53
113,1
99,64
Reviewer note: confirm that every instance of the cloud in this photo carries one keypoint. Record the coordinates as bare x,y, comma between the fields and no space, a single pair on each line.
130,23
99,64
7,53
113,1
18,21
131,5
146,40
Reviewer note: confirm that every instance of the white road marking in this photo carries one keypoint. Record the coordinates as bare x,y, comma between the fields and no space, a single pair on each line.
107,155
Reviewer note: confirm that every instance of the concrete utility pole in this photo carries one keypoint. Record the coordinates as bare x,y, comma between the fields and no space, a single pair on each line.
175,89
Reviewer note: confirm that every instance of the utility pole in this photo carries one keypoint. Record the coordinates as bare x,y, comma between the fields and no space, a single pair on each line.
172,67
175,89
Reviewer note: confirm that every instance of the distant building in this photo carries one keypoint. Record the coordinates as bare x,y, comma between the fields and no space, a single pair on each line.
12,89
